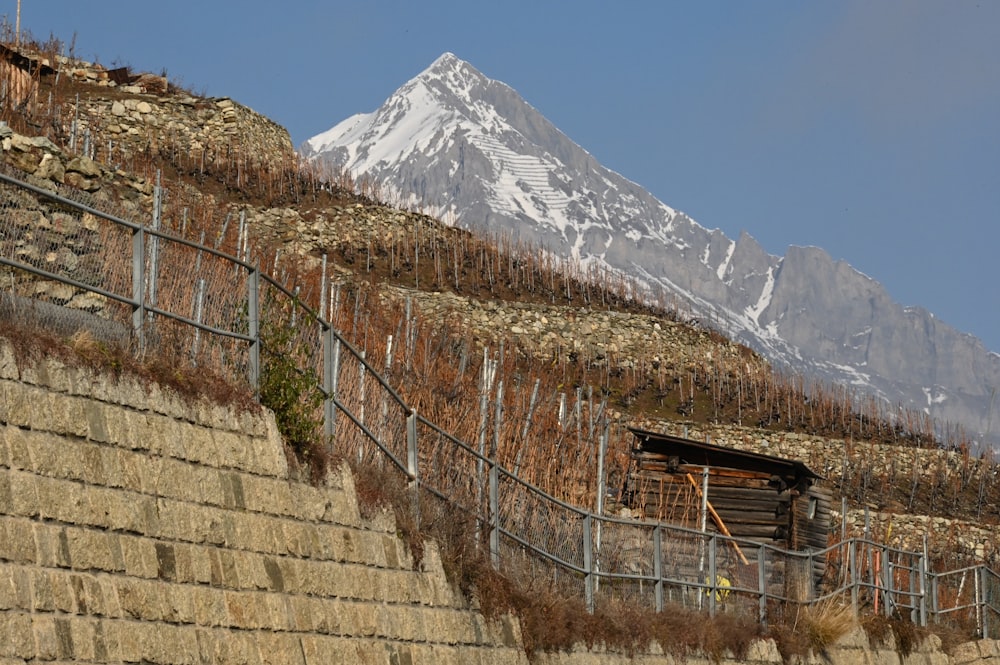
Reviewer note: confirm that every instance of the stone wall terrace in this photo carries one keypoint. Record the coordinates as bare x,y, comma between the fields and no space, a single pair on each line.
135,527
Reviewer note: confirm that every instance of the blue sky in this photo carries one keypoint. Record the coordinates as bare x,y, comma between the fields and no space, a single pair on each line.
870,129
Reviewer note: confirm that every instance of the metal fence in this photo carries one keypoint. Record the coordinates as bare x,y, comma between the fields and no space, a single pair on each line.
68,263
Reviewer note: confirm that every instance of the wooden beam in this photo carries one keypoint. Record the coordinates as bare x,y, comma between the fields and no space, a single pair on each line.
718,521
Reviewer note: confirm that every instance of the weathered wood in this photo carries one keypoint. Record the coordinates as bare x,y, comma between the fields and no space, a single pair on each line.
733,524
736,490
770,505
768,497
762,533
732,480
718,520
717,472
719,495
733,519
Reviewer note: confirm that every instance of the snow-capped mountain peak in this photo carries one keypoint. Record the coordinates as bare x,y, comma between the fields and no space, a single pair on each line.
455,140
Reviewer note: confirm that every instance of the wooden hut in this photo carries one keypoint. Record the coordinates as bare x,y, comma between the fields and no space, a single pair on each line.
765,499
19,76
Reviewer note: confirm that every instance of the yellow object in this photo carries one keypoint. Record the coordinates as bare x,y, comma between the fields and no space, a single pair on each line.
722,585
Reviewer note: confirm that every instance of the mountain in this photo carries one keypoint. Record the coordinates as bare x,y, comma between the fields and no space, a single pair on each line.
474,151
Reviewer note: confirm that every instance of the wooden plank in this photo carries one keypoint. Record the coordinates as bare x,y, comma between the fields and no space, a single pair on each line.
750,511
723,508
750,518
651,471
770,503
718,520
731,495
651,456
668,463
756,532
722,472
639,479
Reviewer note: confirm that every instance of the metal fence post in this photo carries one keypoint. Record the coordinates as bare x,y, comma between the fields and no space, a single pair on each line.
331,370
762,584
138,287
253,322
887,599
852,554
494,515
934,596
411,446
977,600
413,466
922,588
588,563
924,574
154,241
713,584
658,567
984,599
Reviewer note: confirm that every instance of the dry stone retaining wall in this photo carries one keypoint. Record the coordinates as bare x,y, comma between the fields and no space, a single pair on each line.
202,128
137,528
146,114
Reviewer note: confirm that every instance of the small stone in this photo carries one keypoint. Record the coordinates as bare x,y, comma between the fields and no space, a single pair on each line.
84,166
51,168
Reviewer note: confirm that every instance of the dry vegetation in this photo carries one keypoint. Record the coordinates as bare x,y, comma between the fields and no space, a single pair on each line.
32,344
439,371
553,618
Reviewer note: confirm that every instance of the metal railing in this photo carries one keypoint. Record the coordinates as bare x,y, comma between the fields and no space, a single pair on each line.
60,248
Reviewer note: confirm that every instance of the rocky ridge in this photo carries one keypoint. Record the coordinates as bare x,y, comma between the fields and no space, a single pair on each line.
491,159
204,129
116,114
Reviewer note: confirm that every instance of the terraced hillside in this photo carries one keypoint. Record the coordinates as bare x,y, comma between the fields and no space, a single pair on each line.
574,347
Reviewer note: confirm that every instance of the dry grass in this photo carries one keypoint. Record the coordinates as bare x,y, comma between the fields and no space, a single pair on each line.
825,623
32,345
552,617
905,634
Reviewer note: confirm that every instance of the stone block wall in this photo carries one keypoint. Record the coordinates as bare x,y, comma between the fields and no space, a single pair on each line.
135,527
853,649
203,129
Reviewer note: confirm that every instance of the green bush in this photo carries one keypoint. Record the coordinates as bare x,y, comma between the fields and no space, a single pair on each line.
291,389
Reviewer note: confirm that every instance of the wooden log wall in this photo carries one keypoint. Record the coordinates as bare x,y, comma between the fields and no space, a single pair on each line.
752,505
782,512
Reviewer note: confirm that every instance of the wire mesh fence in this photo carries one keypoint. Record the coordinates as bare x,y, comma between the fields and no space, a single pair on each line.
72,265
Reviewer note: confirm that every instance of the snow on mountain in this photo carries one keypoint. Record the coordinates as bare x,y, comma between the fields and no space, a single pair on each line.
456,140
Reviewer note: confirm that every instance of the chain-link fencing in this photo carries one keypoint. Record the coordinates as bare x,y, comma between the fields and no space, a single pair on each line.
68,264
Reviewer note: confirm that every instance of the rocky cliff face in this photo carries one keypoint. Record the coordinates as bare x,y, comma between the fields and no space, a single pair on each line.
472,147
